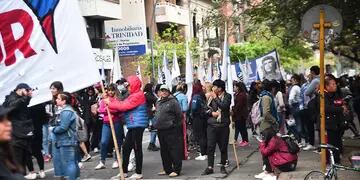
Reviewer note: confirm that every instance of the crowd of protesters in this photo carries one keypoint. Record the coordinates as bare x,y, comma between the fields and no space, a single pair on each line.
70,126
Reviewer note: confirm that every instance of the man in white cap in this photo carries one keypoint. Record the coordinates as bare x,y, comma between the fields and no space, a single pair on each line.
168,123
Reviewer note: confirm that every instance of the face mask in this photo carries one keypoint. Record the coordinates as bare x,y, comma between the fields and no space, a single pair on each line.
121,87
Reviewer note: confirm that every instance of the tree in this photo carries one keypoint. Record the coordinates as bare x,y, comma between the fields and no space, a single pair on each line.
168,41
280,15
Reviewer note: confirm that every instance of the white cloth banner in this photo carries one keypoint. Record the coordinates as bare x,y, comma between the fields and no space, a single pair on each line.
42,42
116,71
175,70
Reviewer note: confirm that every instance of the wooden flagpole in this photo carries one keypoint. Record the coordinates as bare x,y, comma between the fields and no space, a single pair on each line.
118,155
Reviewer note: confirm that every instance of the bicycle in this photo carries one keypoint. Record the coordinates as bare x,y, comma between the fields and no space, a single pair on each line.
331,173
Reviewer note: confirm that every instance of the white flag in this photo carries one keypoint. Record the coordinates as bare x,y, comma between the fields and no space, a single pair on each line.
226,74
166,72
103,77
175,70
201,74
209,72
42,42
189,79
160,79
138,72
116,71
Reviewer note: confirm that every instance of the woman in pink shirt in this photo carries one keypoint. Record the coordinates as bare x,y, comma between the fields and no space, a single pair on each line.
112,94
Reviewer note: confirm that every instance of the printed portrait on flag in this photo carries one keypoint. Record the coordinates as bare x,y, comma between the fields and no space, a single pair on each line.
42,42
268,67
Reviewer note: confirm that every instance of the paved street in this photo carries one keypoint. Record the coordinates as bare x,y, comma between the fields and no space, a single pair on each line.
250,164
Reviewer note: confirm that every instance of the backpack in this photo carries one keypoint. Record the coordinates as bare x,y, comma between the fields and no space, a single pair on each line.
255,113
291,144
81,129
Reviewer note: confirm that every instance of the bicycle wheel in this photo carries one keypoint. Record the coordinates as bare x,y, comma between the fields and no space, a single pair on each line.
315,175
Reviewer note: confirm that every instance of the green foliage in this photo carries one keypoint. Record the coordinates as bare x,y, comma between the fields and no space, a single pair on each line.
168,41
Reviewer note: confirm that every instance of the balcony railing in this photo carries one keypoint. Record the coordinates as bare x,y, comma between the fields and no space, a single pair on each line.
171,13
101,9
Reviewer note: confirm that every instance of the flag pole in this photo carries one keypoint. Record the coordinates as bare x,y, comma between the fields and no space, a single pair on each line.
118,155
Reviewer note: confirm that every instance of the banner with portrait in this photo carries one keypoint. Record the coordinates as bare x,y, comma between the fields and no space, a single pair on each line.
268,66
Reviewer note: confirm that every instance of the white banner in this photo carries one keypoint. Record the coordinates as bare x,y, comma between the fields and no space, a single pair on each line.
103,56
129,33
42,42
268,66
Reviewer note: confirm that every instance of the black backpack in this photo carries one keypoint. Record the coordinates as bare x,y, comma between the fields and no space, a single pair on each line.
291,144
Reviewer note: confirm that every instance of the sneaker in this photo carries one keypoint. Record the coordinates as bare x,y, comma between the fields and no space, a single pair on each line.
269,176
96,150
208,171
201,158
115,165
86,158
118,176
136,176
261,175
173,174
80,164
153,147
100,166
309,147
31,175
243,143
42,175
162,173
223,170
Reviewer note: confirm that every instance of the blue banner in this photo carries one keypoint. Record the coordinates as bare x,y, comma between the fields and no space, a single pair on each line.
136,50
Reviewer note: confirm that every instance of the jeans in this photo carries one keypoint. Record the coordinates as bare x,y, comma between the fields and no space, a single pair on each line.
152,134
68,163
56,158
45,139
106,137
298,124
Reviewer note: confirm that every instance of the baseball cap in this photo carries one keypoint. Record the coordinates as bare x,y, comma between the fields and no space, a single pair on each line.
23,86
165,87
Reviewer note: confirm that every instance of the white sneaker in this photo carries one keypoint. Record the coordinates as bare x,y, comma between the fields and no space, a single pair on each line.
309,147
131,166
201,158
86,158
100,166
80,164
118,176
261,175
96,150
115,165
136,176
269,176
31,175
42,175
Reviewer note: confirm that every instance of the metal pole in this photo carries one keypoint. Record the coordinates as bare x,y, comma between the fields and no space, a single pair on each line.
322,79
153,19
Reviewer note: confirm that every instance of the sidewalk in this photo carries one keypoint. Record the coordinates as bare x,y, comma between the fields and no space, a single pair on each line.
307,162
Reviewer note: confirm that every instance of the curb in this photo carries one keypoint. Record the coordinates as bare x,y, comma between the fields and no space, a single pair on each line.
240,163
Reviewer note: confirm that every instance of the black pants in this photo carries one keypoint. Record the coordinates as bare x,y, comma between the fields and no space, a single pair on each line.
199,129
290,166
334,138
170,149
133,140
308,125
219,136
22,152
36,147
240,126
96,135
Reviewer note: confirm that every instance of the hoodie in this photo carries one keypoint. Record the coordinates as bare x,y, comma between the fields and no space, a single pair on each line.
133,106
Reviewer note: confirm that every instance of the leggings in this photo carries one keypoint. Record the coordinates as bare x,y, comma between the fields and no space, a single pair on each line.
240,126
133,140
